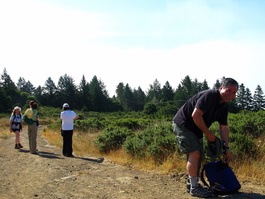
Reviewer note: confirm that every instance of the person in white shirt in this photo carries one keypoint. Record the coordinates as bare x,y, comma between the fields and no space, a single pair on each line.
68,118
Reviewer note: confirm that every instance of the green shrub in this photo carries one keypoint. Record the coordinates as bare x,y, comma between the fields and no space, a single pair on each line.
167,111
57,125
150,109
88,124
157,142
132,123
248,123
112,138
242,145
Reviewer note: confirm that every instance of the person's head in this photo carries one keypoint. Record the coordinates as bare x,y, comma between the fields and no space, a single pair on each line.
16,110
31,103
34,105
228,89
66,106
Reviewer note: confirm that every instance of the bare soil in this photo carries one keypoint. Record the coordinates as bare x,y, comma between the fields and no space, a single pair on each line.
51,175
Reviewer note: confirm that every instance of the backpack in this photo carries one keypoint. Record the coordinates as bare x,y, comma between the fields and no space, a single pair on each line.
221,178
27,120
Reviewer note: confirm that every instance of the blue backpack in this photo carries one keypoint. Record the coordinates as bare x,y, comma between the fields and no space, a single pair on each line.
221,178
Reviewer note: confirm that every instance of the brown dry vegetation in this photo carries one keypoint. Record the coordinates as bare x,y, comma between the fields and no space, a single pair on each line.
246,170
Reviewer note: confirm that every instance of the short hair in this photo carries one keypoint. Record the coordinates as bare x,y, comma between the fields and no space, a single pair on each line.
229,81
66,108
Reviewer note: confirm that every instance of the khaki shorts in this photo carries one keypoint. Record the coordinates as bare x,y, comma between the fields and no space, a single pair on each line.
187,141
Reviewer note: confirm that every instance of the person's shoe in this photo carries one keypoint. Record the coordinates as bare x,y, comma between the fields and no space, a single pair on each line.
17,146
20,146
200,192
188,185
71,156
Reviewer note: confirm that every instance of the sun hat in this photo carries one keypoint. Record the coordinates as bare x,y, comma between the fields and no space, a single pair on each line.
214,149
65,105
17,107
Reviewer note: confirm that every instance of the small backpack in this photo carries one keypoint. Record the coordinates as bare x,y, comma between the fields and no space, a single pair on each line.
221,178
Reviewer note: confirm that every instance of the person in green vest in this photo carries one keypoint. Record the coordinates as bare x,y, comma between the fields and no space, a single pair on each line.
32,113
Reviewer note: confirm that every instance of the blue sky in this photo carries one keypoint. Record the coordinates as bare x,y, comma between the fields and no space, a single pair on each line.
133,41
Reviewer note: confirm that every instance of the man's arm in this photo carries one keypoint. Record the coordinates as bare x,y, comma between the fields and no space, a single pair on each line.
198,119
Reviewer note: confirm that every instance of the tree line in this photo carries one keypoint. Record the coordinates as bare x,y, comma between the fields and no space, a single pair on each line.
93,96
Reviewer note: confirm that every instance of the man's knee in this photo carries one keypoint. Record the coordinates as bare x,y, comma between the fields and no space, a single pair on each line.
195,155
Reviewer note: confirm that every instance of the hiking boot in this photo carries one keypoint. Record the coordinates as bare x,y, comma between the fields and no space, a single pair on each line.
20,146
200,192
17,146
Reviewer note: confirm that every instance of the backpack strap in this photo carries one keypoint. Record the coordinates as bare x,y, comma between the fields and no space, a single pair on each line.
202,177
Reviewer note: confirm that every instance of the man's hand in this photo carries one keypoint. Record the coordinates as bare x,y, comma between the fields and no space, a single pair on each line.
227,155
210,136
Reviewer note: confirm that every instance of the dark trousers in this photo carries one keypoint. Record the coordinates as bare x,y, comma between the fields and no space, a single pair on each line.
67,142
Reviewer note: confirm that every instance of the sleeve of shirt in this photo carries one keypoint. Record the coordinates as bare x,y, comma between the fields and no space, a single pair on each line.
74,115
11,118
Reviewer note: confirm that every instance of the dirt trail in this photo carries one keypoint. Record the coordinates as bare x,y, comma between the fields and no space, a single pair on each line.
51,175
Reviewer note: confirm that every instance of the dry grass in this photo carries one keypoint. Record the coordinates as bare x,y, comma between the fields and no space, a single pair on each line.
4,126
252,169
246,170
54,137
83,145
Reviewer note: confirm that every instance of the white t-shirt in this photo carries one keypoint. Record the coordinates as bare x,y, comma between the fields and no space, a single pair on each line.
67,117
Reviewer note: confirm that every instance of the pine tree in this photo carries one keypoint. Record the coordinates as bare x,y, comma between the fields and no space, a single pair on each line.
67,91
258,99
241,97
154,92
249,100
84,95
167,92
140,99
9,91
